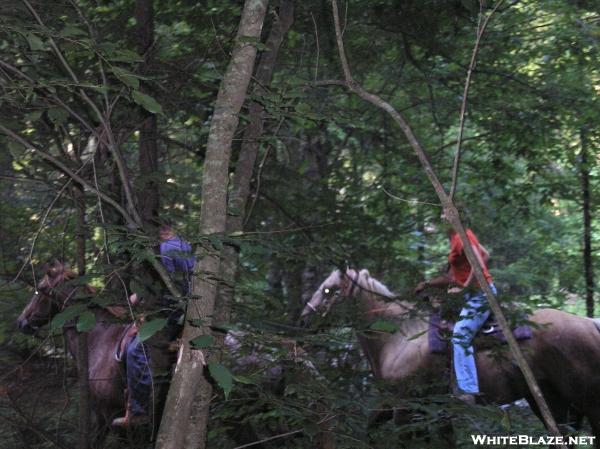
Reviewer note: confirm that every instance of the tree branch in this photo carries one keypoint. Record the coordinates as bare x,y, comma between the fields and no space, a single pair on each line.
54,98
67,171
105,120
463,108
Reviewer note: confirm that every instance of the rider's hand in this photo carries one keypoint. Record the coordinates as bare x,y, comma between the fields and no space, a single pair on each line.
420,287
134,299
455,290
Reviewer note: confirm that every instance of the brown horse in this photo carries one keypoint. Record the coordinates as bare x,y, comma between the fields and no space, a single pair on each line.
564,351
106,375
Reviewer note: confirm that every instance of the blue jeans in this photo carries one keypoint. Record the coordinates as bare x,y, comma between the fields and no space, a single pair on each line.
475,312
139,377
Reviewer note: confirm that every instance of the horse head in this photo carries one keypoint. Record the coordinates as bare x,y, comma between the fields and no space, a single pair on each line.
47,300
338,286
371,293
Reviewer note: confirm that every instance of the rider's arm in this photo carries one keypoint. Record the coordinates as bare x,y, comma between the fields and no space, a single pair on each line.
442,281
484,253
166,258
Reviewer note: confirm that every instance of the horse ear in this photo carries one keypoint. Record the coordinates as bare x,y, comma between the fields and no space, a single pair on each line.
347,280
56,268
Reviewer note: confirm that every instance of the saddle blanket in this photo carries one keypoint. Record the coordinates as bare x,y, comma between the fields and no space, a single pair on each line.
440,333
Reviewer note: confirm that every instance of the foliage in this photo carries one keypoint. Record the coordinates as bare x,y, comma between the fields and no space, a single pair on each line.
336,183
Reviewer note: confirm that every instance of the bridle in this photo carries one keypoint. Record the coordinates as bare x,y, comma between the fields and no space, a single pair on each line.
342,292
54,299
311,307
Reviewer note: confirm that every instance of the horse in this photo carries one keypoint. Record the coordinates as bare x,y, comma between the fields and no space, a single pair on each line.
56,290
107,380
564,351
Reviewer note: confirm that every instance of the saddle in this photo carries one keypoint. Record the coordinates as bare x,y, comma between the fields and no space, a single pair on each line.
121,348
440,334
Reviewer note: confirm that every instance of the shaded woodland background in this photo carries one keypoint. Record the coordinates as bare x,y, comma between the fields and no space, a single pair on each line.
335,182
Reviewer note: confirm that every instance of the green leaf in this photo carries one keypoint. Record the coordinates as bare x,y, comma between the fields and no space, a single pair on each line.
245,380
222,376
414,337
224,327
35,43
149,328
215,241
147,102
304,166
87,320
58,115
66,315
197,322
384,326
124,55
33,116
16,149
71,31
203,341
127,78
505,422
311,430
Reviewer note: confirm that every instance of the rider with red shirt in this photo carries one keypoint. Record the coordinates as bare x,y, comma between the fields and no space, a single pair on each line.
474,312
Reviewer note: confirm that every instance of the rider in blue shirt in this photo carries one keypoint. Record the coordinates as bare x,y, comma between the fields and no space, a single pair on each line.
176,256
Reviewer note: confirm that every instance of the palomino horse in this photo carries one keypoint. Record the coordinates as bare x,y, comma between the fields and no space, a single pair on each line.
564,351
106,375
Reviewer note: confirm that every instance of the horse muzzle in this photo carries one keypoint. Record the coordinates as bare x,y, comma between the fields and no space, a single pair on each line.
25,326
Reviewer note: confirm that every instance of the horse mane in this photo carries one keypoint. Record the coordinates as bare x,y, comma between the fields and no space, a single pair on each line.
374,286
383,300
57,274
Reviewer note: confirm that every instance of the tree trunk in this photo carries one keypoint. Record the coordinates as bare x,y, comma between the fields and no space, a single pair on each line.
248,154
190,391
148,193
83,441
587,226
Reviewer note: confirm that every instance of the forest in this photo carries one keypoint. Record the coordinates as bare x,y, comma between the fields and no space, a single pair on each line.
309,159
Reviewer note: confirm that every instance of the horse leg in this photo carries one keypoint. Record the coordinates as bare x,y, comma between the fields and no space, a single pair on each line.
567,418
98,429
593,417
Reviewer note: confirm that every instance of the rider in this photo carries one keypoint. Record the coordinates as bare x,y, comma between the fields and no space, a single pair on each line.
176,257
139,374
474,313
